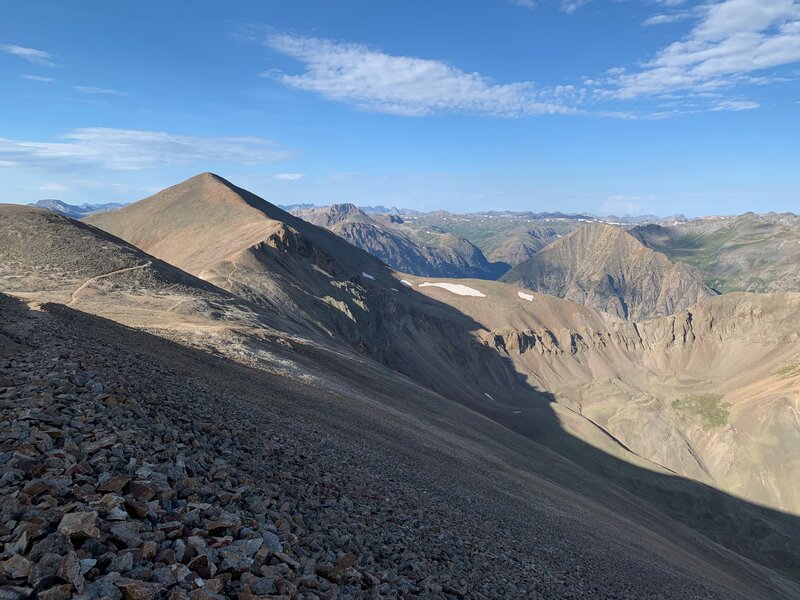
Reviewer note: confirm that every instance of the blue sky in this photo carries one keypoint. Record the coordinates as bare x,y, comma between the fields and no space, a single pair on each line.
630,106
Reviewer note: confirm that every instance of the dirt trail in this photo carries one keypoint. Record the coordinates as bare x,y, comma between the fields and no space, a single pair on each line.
103,276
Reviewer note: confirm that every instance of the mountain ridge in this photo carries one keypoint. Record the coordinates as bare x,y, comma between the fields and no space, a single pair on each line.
383,234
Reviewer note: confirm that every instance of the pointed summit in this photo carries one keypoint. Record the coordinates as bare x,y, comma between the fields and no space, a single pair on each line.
607,268
201,221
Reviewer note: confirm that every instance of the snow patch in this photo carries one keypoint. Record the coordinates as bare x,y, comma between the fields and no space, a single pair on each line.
524,296
367,275
456,288
405,282
323,271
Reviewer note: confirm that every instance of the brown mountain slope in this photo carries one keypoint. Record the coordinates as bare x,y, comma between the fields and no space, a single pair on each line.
439,254
552,518
238,241
46,256
309,276
604,267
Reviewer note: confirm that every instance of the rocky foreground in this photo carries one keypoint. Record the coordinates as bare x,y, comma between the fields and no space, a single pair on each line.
121,479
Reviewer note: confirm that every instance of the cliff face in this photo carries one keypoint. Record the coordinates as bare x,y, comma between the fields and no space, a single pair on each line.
604,267
710,392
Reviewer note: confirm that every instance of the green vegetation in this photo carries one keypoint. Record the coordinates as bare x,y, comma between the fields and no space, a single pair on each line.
745,253
707,407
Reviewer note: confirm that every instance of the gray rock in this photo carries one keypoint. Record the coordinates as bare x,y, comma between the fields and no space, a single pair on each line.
45,574
70,570
79,525
104,587
55,543
126,536
272,541
17,567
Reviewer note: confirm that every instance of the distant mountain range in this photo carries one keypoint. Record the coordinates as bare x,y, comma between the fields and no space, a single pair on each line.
76,211
403,244
749,252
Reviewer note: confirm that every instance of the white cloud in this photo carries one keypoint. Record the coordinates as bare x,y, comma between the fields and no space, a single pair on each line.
288,176
730,45
37,57
524,3
85,89
135,149
732,40
39,78
373,80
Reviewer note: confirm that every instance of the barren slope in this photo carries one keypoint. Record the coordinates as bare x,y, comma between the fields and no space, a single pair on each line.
49,257
604,267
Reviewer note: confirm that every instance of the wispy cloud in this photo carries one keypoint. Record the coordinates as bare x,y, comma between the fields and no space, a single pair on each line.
568,6
39,78
135,149
667,18
735,105
732,40
373,80
731,47
86,89
32,55
288,176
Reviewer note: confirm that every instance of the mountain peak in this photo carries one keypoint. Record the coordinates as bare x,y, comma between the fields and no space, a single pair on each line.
609,269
